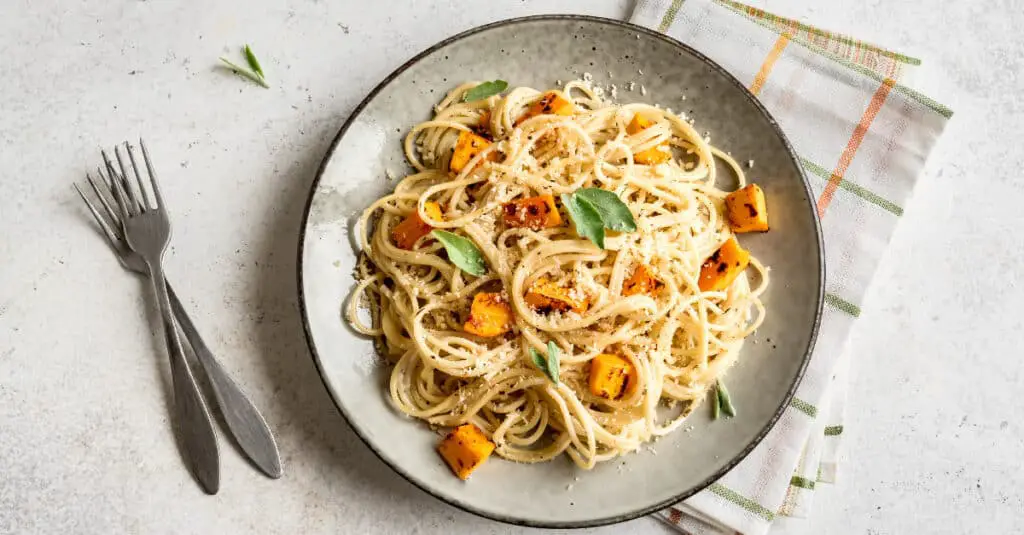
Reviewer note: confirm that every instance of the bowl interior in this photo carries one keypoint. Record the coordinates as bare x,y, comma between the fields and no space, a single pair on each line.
538,52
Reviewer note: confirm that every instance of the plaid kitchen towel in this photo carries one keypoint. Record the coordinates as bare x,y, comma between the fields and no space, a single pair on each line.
863,137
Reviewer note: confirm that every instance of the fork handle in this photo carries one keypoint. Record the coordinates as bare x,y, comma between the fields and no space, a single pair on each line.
242,417
194,422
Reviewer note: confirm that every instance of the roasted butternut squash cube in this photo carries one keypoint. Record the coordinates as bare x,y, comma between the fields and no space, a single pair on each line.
722,267
653,155
533,212
746,209
546,296
489,315
642,281
550,102
638,124
610,376
465,449
412,228
466,148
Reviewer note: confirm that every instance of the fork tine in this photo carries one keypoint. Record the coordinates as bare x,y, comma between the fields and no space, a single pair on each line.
100,220
126,185
143,198
115,187
101,193
152,176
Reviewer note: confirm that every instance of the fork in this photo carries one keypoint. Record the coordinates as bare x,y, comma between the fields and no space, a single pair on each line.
149,225
242,417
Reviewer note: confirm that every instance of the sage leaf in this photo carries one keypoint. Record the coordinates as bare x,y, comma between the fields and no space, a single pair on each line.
586,218
245,72
552,367
485,90
254,64
724,400
549,364
614,213
462,252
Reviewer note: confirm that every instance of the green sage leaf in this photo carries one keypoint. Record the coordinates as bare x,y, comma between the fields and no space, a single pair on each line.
462,252
724,400
245,72
614,213
586,218
254,64
549,364
485,90
552,367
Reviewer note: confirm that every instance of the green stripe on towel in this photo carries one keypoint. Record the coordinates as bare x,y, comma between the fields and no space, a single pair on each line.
670,15
842,304
742,501
859,191
899,88
831,37
804,407
833,430
802,482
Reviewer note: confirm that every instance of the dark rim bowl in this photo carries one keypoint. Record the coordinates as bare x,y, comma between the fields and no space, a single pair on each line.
654,506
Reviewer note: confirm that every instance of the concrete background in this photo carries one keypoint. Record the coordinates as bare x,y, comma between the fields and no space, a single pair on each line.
85,445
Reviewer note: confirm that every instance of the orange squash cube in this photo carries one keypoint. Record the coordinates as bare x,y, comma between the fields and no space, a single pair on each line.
533,212
653,155
550,102
610,376
722,267
466,148
546,296
412,228
489,315
642,281
746,210
638,124
465,449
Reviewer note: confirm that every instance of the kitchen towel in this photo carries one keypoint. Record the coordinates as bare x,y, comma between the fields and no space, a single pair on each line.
862,136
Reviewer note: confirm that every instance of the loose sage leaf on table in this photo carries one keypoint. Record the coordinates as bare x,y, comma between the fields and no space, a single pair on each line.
485,90
586,218
462,252
614,213
254,73
253,62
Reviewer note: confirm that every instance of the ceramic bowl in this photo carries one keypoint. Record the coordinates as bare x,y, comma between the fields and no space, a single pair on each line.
538,52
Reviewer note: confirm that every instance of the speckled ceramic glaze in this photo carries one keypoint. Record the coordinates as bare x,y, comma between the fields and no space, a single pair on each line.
537,52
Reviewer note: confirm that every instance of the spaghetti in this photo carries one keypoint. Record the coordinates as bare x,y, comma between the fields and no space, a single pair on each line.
673,338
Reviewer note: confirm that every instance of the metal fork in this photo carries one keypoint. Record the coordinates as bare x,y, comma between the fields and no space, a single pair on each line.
243,419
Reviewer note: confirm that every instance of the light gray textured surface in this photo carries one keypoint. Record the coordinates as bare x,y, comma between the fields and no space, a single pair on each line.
85,446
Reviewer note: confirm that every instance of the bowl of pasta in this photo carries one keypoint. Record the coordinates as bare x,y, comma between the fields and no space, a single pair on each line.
561,271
